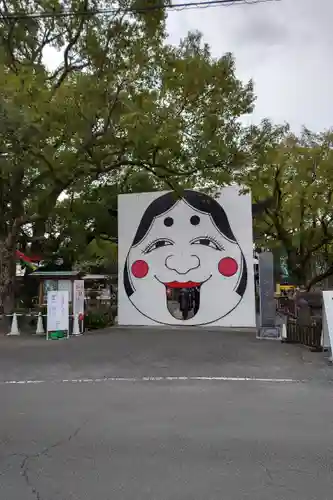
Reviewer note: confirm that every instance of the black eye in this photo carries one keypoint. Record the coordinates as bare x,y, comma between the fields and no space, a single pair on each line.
204,241
207,242
155,245
160,244
195,220
168,222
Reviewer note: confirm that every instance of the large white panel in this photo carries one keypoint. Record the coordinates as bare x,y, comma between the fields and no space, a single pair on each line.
197,241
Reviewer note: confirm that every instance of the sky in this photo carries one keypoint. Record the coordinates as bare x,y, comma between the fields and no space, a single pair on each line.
284,46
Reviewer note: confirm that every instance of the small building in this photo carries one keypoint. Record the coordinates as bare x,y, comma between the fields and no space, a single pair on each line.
54,281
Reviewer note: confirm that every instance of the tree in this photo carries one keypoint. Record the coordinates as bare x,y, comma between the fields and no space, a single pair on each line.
84,224
100,256
121,100
297,173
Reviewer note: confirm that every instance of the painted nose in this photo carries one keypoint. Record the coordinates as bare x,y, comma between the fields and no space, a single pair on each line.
182,264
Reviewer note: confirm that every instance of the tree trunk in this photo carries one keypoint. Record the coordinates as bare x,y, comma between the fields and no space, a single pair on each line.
298,267
7,277
294,268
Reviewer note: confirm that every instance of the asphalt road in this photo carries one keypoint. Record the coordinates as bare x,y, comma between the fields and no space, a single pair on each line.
92,426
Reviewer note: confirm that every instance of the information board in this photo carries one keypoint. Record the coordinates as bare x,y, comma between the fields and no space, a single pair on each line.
57,312
78,300
66,286
49,286
266,290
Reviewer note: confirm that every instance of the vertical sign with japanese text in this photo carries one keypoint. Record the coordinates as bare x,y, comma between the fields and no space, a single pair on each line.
78,297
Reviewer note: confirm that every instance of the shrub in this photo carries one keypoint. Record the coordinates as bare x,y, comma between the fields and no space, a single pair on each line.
95,320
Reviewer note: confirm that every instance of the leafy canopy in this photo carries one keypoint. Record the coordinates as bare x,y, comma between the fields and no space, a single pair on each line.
121,98
122,102
297,173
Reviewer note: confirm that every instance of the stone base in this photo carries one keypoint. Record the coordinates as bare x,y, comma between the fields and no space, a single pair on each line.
269,333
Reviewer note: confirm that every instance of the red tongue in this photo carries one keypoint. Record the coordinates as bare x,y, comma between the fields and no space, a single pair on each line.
179,284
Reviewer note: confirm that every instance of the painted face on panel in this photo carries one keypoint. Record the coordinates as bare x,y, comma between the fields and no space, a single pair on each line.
185,245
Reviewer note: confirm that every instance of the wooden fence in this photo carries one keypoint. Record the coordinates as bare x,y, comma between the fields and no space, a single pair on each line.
303,321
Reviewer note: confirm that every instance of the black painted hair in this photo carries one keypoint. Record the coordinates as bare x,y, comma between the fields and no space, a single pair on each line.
200,202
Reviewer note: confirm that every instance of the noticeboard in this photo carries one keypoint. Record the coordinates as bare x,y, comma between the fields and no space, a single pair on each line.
66,286
57,311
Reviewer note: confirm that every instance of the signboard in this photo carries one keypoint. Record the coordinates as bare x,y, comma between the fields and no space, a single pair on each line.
57,312
66,286
50,285
78,299
327,336
266,290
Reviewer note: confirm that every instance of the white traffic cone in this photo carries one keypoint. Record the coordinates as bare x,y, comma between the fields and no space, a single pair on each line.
40,327
76,326
14,328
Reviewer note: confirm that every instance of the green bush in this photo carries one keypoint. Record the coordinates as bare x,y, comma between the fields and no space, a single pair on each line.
95,320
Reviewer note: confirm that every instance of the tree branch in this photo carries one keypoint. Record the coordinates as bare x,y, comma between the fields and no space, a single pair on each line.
68,67
320,277
327,236
273,213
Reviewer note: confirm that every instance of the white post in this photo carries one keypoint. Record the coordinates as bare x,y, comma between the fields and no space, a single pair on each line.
76,326
14,328
78,305
284,331
40,327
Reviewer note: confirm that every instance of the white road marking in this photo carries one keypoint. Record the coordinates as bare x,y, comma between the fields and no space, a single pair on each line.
154,379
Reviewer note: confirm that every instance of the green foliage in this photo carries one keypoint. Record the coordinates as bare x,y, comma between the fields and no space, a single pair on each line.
83,227
297,173
120,99
100,256
122,111
95,320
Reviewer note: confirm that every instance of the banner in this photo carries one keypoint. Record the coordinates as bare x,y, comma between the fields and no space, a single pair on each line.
78,297
57,312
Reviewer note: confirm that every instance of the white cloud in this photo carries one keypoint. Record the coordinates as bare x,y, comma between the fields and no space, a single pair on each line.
284,46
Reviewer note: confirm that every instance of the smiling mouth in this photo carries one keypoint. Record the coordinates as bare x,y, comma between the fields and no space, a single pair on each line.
182,284
183,297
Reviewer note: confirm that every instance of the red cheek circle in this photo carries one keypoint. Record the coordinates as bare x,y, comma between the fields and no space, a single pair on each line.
228,267
140,269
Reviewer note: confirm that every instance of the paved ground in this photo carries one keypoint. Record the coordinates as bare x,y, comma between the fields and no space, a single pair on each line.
206,434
